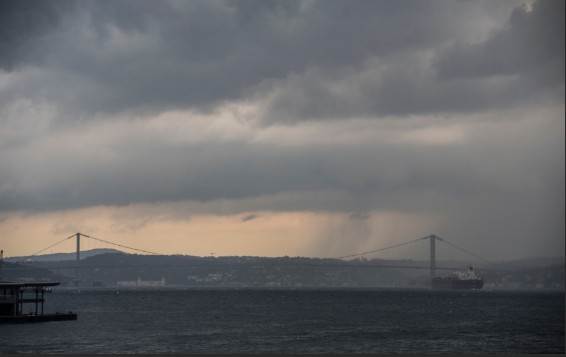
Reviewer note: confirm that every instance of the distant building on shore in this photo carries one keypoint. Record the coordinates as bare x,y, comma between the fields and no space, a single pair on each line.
141,283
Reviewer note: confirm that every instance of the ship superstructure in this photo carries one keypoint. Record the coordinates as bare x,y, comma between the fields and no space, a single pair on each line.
461,280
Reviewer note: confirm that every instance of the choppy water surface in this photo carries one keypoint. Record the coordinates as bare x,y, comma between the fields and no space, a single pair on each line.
295,321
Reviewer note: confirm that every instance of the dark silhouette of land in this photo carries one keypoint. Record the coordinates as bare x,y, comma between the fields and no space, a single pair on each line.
113,269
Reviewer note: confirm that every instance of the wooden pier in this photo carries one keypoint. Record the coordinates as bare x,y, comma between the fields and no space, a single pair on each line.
13,296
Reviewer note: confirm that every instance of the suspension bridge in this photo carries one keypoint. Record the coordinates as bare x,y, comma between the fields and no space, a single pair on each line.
433,239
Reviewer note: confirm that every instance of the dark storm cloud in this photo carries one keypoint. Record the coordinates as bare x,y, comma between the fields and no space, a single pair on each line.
531,41
147,56
137,171
515,65
23,25
400,89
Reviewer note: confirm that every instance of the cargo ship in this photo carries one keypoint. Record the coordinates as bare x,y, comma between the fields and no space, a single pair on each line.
461,281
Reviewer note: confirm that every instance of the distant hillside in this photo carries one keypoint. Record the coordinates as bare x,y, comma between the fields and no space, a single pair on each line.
61,256
23,273
115,268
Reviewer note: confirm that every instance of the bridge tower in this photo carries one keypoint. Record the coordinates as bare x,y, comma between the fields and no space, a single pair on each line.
433,239
78,254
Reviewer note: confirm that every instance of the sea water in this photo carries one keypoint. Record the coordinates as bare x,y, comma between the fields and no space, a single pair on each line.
295,321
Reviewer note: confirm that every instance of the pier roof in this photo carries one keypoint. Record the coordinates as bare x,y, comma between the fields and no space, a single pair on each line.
35,284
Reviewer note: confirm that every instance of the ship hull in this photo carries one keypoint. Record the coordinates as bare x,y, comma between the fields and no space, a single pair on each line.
456,284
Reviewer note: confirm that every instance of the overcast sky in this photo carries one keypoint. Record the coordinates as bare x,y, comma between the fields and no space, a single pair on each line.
311,128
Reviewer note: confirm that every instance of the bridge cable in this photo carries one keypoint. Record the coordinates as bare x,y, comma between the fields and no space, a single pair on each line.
120,245
464,250
378,250
52,245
